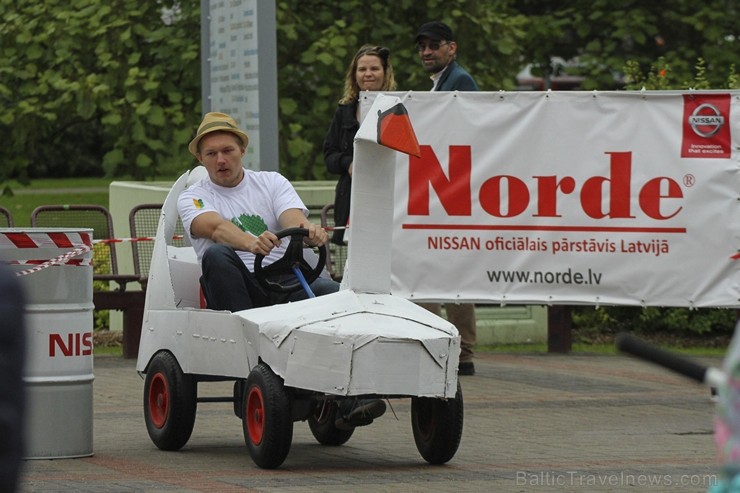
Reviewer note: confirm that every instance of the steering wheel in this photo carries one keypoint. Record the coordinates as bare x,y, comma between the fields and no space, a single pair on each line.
283,267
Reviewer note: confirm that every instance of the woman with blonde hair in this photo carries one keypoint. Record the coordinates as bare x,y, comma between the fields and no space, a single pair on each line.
370,70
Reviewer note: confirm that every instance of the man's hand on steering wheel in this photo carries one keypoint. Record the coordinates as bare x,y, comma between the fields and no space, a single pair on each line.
316,237
280,275
264,243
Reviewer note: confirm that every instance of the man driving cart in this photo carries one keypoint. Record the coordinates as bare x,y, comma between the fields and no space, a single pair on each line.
232,216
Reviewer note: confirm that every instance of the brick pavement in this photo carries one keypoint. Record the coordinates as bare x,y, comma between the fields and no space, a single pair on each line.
533,423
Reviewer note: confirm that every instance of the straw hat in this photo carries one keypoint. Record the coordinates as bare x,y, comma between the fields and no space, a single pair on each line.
213,122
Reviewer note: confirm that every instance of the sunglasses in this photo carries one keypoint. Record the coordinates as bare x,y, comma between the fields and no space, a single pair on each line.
434,46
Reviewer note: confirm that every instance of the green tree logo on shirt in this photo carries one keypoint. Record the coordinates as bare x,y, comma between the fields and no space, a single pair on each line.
251,224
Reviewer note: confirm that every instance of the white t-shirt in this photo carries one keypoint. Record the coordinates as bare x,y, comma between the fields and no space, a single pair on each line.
254,205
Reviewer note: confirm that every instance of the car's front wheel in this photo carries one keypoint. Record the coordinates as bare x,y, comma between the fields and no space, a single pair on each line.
267,423
437,425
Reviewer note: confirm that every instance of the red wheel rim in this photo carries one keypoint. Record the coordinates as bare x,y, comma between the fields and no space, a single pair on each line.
159,400
255,415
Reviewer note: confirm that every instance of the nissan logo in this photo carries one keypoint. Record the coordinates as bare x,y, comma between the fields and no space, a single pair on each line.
711,120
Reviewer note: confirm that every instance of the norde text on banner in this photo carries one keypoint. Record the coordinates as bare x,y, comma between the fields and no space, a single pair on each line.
571,197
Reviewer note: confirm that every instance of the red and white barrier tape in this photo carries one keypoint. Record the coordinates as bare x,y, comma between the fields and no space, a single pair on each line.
66,240
61,259
79,242
132,240
33,239
77,262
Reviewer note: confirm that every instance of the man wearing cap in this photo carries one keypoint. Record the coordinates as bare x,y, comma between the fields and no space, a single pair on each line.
233,214
437,48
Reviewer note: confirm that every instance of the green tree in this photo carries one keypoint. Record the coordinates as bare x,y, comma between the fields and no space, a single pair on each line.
316,43
89,86
605,34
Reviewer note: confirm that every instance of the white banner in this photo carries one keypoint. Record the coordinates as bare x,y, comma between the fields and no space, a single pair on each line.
569,197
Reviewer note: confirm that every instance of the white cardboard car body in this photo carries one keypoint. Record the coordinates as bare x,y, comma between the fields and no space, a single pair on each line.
347,343
360,341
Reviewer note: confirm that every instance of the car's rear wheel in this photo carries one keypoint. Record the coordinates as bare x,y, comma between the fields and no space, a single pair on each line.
170,400
322,424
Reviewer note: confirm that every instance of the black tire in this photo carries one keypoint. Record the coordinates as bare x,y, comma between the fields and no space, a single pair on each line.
438,426
321,422
170,400
267,423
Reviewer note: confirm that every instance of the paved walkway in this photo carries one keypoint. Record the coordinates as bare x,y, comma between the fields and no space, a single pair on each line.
533,423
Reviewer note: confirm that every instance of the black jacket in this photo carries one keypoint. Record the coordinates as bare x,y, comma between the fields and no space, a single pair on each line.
338,155
456,78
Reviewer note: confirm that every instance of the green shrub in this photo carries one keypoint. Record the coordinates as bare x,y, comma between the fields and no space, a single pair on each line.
650,320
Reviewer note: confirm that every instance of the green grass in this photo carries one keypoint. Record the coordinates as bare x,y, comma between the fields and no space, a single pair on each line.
51,183
541,348
582,348
21,206
54,191
108,351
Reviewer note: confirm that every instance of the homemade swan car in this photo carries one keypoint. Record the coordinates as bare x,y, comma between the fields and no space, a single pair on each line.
301,361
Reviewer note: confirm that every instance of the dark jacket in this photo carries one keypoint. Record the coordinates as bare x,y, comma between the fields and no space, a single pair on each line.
12,387
456,78
338,155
